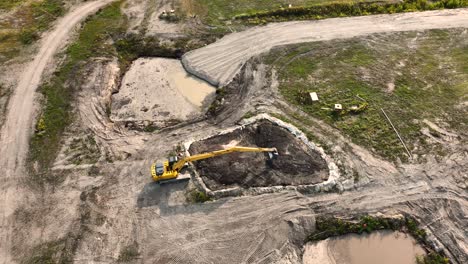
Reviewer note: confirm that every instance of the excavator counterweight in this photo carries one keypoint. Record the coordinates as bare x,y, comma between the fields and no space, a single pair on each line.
169,169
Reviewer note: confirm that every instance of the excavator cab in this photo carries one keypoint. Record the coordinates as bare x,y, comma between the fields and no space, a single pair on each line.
159,169
172,160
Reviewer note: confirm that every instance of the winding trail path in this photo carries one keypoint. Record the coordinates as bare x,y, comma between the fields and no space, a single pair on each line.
219,62
16,131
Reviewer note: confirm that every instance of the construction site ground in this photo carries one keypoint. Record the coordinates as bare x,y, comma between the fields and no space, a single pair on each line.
101,206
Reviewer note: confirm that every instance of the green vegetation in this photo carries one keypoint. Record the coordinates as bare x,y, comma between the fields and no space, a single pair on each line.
330,226
221,13
215,12
413,76
133,46
26,24
8,4
85,150
198,197
248,115
129,253
53,252
341,9
432,258
58,92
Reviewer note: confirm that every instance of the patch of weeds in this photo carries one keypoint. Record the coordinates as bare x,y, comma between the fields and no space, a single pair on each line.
151,128
26,25
196,196
248,115
432,258
58,251
133,46
343,9
44,12
330,227
28,36
223,15
129,253
85,150
8,4
59,91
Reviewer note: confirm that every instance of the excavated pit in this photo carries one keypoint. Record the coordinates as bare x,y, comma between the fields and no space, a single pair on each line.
296,164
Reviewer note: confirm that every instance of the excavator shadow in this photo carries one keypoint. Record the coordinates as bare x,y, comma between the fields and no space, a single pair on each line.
154,194
171,199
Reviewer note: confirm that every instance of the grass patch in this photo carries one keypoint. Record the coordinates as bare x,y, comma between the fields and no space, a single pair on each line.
411,78
220,13
133,46
129,253
58,92
9,4
432,258
197,197
216,12
26,24
248,115
343,9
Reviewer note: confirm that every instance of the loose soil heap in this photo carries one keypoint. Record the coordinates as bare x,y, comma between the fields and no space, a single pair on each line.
296,164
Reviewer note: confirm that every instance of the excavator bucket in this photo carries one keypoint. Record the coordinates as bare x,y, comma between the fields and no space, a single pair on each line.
273,154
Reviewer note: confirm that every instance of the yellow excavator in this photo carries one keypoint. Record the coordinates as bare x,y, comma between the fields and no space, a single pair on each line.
169,170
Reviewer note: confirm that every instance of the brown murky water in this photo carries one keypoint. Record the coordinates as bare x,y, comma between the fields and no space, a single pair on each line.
191,87
384,247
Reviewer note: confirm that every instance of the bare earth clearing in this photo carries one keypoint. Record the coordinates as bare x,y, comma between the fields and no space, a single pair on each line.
113,205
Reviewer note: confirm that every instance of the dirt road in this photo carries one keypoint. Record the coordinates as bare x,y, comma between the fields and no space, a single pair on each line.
219,62
17,129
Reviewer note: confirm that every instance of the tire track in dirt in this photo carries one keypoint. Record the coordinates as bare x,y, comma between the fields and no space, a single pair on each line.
14,138
219,62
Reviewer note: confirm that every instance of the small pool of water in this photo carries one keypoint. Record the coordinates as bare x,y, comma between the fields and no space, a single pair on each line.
192,88
383,247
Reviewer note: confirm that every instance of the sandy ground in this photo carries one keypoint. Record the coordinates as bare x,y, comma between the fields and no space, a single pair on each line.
144,17
159,91
17,128
114,204
219,62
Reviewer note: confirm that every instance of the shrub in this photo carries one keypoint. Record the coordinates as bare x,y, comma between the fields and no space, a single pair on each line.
28,36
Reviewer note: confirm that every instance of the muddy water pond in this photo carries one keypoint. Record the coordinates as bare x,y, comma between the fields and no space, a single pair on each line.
191,87
159,91
383,247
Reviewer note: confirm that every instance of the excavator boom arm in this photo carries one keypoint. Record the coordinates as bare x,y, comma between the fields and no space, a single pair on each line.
177,166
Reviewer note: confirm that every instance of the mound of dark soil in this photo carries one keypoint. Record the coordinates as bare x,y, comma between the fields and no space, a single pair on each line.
296,164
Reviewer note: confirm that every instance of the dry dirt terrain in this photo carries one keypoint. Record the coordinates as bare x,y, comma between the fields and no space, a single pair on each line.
107,209
17,128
